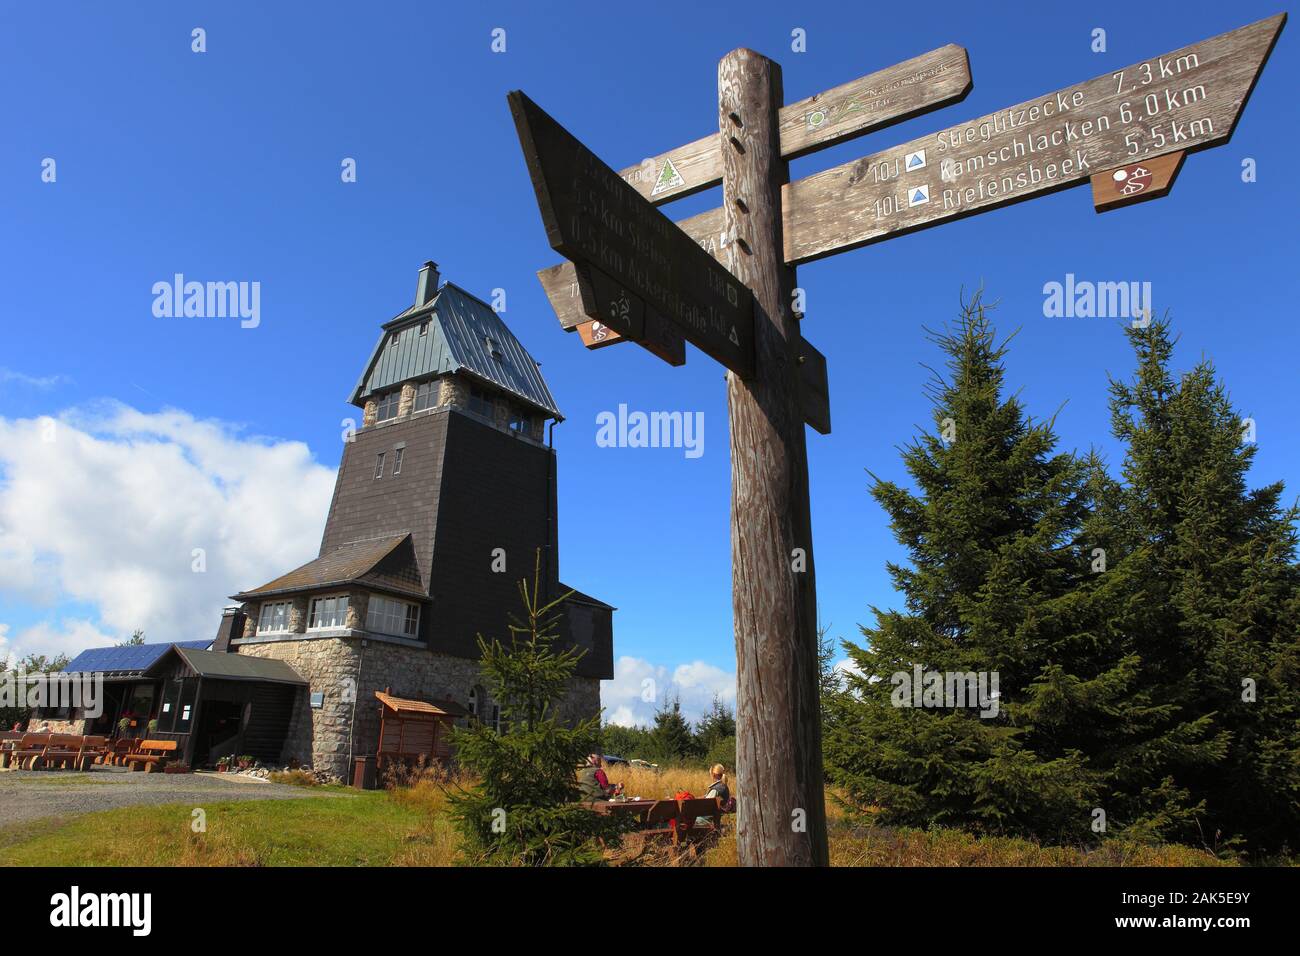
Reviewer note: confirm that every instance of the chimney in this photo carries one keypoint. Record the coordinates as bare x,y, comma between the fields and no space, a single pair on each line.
427,287
232,626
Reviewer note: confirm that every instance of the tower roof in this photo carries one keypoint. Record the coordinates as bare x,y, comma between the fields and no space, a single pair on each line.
465,335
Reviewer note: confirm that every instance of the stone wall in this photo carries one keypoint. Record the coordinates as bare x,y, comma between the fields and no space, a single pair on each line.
453,390
74,725
348,675
407,400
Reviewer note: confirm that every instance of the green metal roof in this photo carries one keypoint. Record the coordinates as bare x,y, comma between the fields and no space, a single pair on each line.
464,334
225,666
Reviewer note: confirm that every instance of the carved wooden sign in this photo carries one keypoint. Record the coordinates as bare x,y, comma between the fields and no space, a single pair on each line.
871,102
1179,102
594,218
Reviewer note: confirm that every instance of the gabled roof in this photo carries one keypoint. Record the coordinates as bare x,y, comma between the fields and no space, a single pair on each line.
386,563
465,335
219,666
126,660
402,705
581,598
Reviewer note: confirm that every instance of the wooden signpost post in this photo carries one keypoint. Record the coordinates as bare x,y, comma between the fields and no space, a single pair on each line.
724,281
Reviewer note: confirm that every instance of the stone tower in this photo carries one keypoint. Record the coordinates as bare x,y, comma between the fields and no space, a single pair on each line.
445,497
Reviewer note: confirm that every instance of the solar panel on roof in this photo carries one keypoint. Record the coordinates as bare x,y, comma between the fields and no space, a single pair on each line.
131,657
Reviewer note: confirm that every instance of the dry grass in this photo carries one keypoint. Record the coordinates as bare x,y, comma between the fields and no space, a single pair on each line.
910,848
662,784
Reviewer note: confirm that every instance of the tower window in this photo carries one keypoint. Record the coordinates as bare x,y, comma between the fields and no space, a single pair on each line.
388,405
480,403
424,328
379,465
397,461
424,396
392,343
520,422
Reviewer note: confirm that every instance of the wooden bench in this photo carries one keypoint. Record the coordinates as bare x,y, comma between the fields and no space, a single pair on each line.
690,829
93,750
29,752
151,755
118,750
63,750
661,821
9,740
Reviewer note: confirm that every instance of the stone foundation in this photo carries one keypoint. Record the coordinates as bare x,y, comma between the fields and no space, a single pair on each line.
347,722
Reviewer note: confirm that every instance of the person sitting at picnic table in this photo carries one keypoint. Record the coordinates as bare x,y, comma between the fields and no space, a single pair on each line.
718,788
592,781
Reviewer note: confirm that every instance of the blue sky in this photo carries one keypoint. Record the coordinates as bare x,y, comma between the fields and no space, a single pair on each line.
225,166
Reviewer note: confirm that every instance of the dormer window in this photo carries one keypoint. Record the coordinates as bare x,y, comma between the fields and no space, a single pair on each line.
392,343
493,349
388,405
424,328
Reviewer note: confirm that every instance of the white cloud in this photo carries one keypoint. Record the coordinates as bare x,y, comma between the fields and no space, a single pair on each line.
639,688
105,506
33,381
70,636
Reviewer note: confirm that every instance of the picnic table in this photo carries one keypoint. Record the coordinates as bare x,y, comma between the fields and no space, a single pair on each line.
678,822
638,808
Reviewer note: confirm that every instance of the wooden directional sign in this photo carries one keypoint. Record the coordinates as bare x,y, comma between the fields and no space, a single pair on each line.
592,216
1186,100
613,305
869,103
814,391
564,289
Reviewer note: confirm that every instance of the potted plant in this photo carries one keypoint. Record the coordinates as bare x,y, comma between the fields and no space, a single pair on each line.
223,764
245,762
153,725
123,726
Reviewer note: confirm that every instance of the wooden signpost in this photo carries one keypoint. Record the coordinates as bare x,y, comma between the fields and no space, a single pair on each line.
724,280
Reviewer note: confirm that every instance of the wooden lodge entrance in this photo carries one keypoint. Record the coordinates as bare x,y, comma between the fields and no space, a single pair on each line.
217,704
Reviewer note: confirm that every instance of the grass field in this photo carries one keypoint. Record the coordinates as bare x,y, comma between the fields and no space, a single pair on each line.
410,827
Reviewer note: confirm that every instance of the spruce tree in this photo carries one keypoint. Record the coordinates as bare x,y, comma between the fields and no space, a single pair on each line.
1208,594
717,724
998,583
672,735
523,811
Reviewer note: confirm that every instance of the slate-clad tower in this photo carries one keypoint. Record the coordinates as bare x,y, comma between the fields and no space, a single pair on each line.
444,496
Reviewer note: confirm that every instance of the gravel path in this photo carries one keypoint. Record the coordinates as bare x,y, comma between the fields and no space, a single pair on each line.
27,795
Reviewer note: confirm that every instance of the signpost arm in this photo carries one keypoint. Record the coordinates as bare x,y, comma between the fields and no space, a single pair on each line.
781,819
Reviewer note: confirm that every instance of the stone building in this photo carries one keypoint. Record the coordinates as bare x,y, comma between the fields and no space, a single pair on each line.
445,497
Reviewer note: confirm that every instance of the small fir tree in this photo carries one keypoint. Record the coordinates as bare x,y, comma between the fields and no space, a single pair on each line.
524,811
